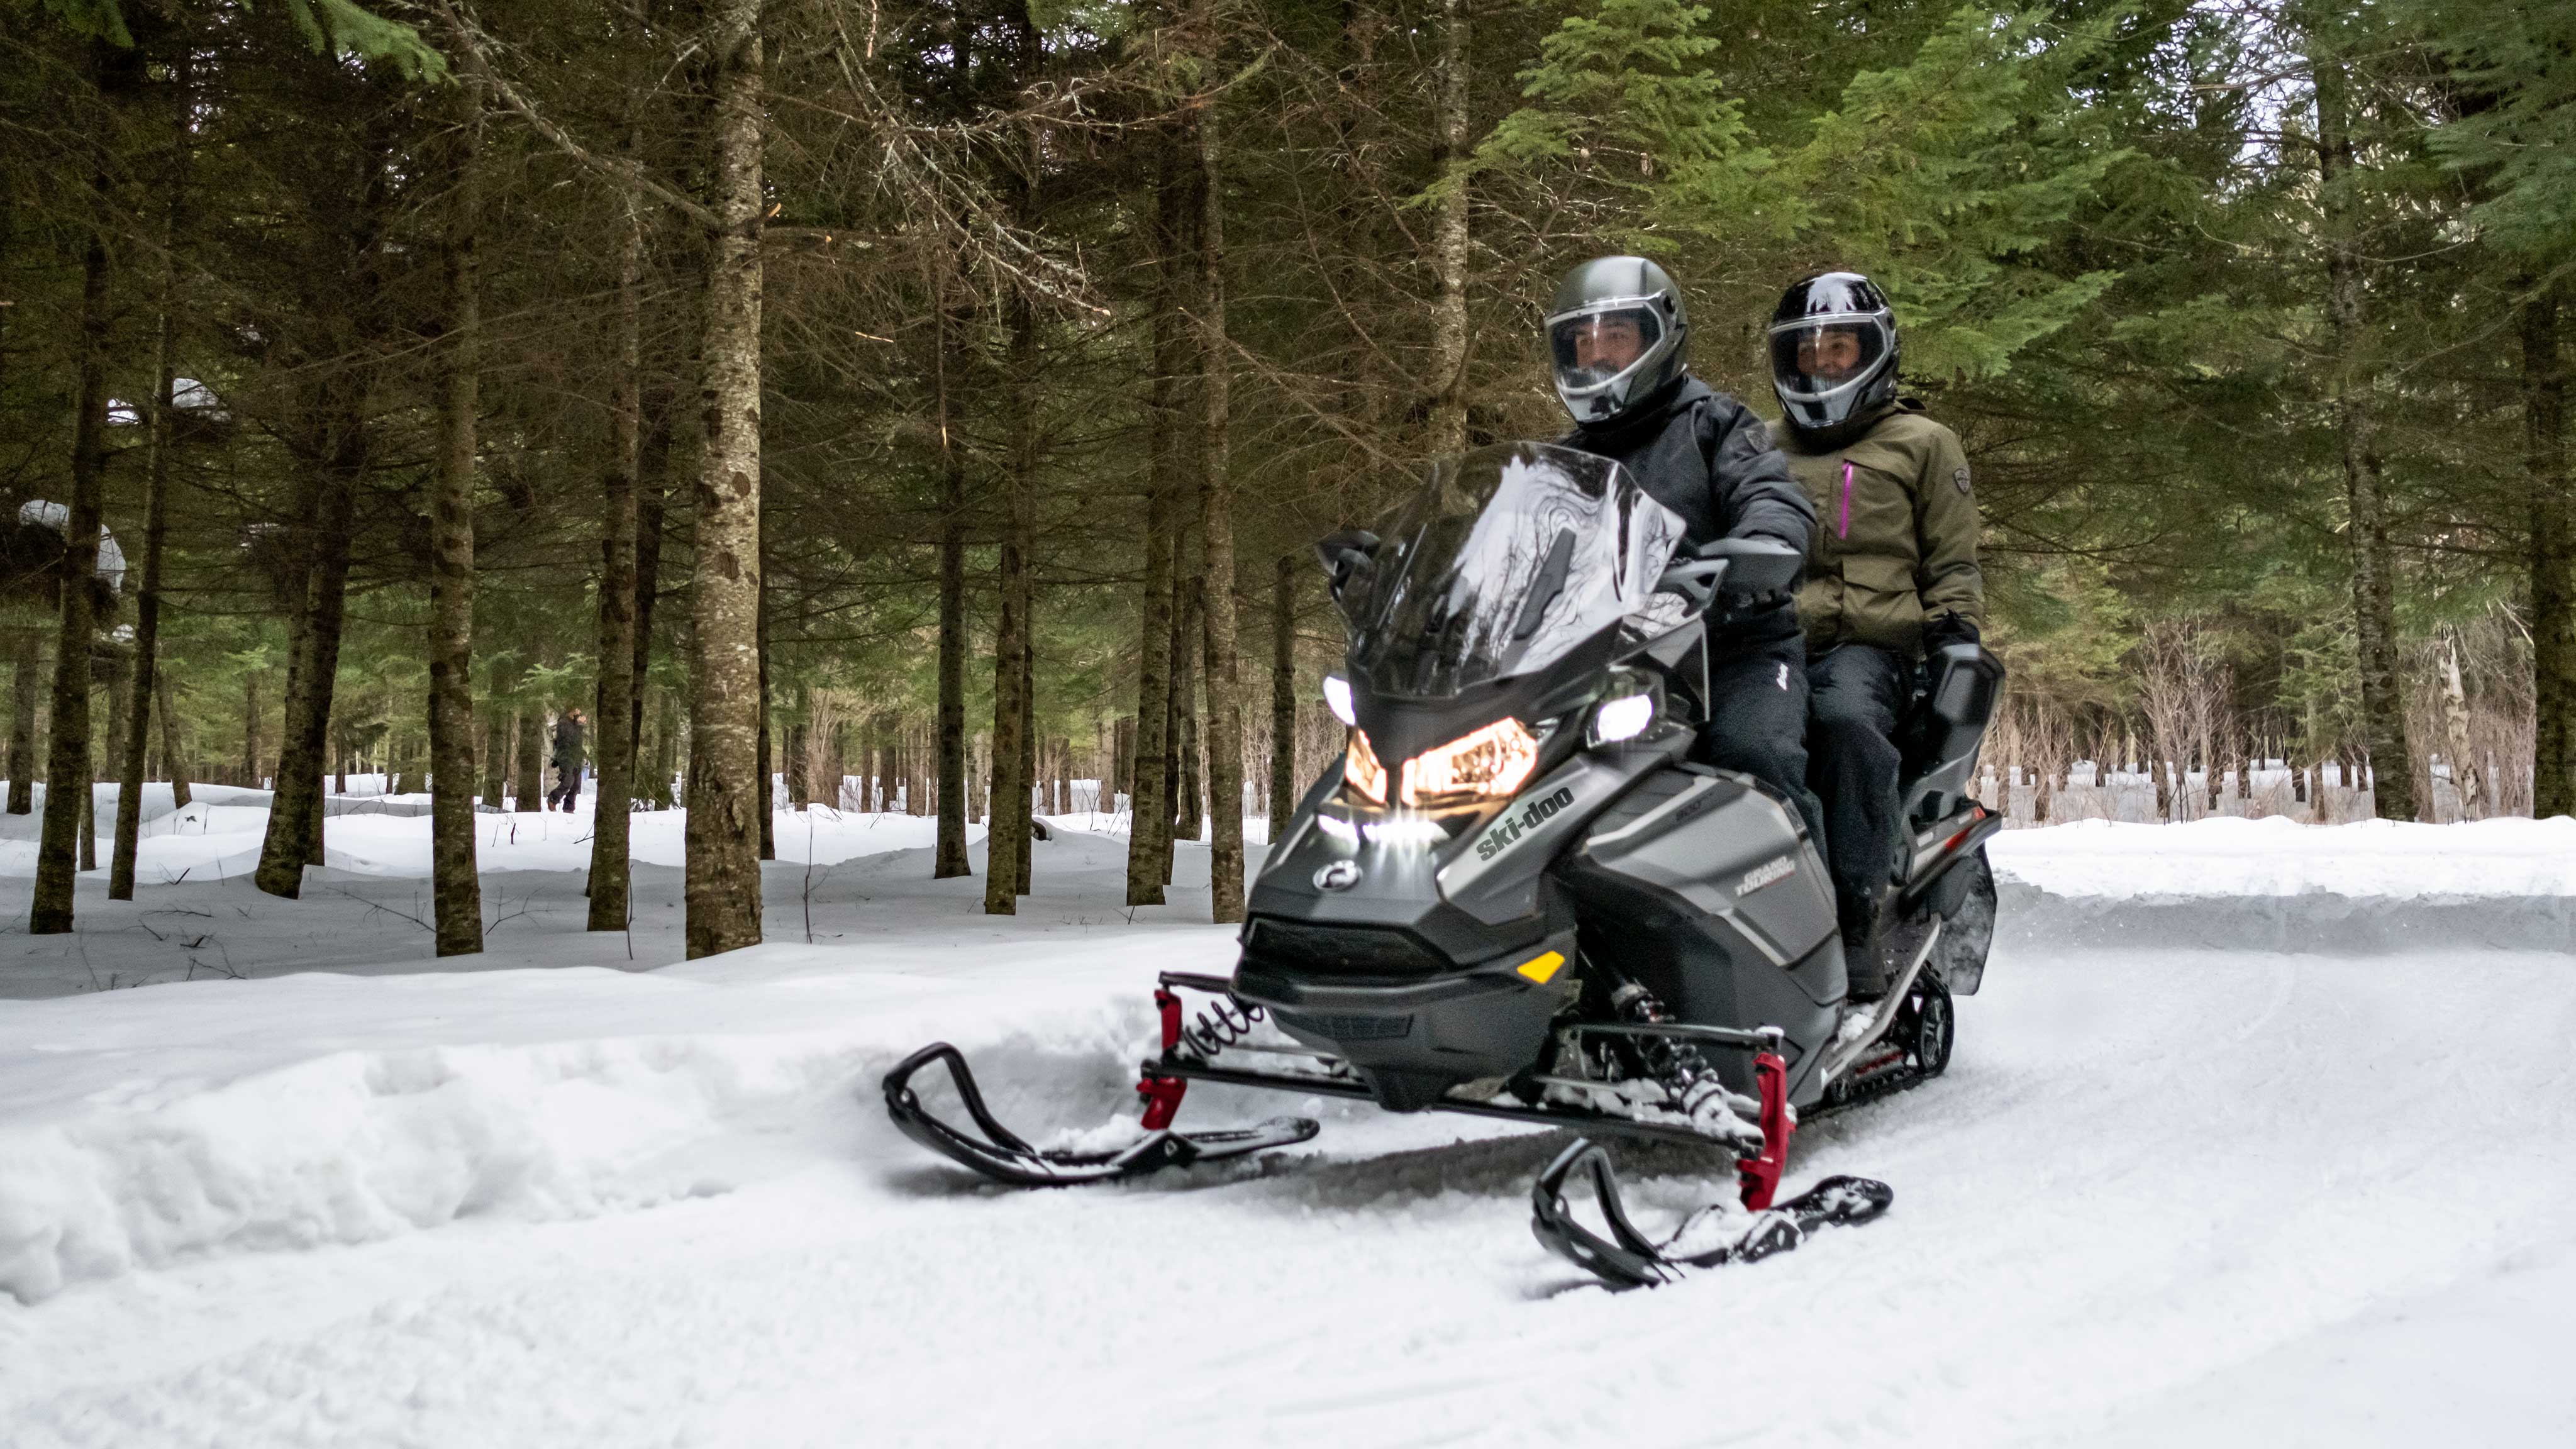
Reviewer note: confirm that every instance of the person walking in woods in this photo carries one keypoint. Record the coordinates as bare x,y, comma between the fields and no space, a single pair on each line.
567,760
1892,574
1619,336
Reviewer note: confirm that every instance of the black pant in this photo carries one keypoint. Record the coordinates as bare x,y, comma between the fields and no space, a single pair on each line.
1852,761
1757,722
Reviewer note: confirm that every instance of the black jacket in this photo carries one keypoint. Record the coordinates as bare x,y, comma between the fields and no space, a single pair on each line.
1706,457
567,753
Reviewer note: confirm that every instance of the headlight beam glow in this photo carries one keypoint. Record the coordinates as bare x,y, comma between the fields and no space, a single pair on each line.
1487,764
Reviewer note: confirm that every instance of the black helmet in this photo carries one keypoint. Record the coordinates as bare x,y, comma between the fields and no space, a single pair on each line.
1616,334
1833,354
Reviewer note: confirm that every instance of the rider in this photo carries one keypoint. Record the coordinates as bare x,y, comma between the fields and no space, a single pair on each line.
1620,337
1893,572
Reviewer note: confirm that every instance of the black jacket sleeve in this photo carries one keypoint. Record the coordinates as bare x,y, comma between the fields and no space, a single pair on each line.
1755,494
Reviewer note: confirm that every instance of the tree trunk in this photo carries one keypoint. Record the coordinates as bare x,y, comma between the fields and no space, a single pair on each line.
1216,529
1283,695
1150,793
496,738
1448,363
2551,560
2383,705
768,768
89,810
456,891
650,507
1007,841
798,766
1187,684
727,805
1028,745
250,728
614,717
174,758
156,510
531,761
950,858
30,650
67,764
313,660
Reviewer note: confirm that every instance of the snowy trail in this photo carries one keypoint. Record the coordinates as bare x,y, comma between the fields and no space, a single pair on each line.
2218,1197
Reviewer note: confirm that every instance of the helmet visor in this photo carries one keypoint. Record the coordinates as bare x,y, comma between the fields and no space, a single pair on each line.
1814,357
1594,346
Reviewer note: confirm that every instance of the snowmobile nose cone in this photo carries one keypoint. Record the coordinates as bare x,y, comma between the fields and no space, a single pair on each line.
1338,875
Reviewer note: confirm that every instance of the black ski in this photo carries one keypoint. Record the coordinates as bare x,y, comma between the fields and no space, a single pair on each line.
1630,1259
1005,1158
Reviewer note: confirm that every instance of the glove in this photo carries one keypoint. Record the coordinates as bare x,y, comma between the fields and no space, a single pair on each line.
1947,630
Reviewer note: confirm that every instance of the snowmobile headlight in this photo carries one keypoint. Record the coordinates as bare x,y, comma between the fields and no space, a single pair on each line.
1361,771
1623,718
1489,764
1337,698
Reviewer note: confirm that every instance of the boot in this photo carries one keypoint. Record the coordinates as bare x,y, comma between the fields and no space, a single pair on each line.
1870,945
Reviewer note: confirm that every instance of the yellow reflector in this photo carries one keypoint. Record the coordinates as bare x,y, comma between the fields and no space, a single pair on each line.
1541,969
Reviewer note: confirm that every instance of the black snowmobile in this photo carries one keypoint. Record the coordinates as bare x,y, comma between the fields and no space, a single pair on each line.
1518,897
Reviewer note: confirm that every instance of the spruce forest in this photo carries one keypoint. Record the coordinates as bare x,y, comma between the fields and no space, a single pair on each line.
929,404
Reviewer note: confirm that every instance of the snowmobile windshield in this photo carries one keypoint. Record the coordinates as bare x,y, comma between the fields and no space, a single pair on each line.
1508,559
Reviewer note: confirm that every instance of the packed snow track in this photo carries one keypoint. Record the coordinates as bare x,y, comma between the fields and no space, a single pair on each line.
2167,1193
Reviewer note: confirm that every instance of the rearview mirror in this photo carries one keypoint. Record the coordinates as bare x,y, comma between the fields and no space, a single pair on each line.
1349,557
1345,554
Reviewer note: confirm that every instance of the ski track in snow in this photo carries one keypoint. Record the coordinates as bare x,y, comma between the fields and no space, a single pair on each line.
2166,1194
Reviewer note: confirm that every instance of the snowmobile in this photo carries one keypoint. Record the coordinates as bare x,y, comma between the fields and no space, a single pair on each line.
1518,896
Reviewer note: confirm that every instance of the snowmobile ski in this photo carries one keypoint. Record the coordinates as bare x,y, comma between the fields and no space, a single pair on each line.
1002,1156
1629,1259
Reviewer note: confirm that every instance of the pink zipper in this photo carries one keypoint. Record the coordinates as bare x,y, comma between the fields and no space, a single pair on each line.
1842,529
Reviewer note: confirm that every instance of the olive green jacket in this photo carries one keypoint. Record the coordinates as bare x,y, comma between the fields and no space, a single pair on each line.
1896,533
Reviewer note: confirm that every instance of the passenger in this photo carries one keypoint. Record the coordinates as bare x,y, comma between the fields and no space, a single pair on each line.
1892,574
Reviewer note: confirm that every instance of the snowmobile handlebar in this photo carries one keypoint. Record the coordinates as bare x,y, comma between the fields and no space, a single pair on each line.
1747,569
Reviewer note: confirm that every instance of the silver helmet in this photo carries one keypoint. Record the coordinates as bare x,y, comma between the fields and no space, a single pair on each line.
1616,334
1833,354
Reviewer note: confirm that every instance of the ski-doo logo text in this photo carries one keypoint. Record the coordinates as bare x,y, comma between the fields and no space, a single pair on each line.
1528,818
1763,875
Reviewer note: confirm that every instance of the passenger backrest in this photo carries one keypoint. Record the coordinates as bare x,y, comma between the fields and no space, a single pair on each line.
1948,724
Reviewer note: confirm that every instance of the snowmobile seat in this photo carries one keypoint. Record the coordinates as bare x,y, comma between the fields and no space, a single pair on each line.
1952,706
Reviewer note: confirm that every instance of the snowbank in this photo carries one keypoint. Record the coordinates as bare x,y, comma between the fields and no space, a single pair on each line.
2278,856
150,1126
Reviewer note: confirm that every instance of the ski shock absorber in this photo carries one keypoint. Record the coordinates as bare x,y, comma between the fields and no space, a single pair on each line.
1224,1022
1677,1063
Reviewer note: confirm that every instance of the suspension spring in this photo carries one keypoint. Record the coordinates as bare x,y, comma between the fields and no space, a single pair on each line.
1677,1062
1224,1022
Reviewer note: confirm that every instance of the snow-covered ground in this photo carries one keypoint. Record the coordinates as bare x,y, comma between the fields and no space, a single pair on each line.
2167,1194
218,836
2277,856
